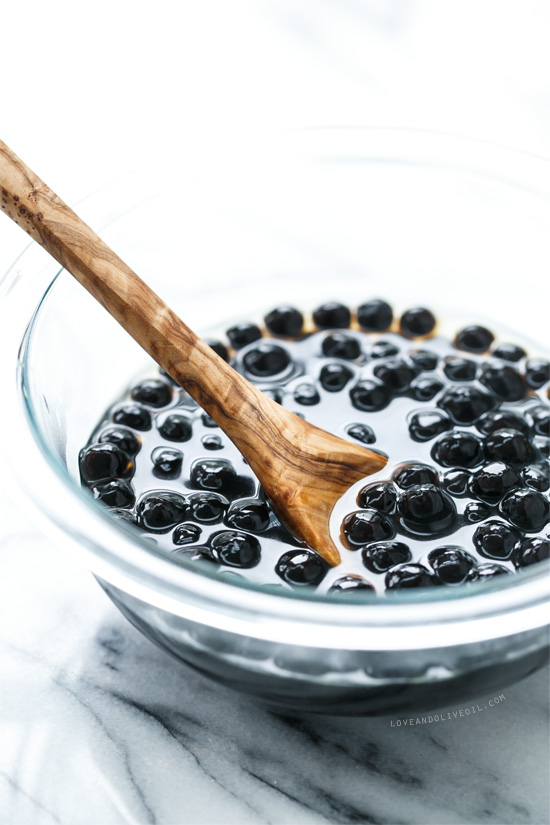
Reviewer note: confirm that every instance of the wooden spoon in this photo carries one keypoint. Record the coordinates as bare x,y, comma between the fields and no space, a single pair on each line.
303,469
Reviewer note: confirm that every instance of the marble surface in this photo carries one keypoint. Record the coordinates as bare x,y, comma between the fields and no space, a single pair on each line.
98,727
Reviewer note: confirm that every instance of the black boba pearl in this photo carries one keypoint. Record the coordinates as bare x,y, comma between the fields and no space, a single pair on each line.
466,404
542,445
396,374
123,439
455,482
417,321
350,584
409,576
458,449
504,381
133,416
379,557
186,533
370,396
218,347
426,510
332,315
249,514
493,481
541,421
383,349
176,428
375,315
526,509
212,475
159,512
103,462
153,392
424,426
285,321
508,352
366,526
476,511
510,446
243,334
424,359
208,421
411,475
495,539
114,493
306,395
167,463
266,360
537,372
212,442
536,477
380,496
235,549
341,345
530,551
302,568
362,433
486,571
206,508
474,339
500,420
460,369
450,564
334,377
424,389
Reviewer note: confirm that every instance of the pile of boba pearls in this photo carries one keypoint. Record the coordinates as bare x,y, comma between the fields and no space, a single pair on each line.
463,419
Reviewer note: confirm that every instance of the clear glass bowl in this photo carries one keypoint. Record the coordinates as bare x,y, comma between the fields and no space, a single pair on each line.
415,217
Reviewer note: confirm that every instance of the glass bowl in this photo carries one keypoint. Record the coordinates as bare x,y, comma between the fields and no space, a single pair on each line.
415,217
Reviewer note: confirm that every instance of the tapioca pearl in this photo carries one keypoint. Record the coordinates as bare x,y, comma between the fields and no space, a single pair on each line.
495,540
526,509
423,360
334,377
250,514
493,481
159,512
409,576
510,446
285,321
167,463
212,474
380,496
537,477
370,396
175,428
206,508
375,315
124,439
410,475
212,442
186,533
306,395
499,420
362,433
508,352
218,347
504,382
486,571
426,510
241,335
465,405
235,549
104,462
428,424
474,338
332,315
381,556
366,526
301,568
537,372
425,389
396,374
266,360
341,345
460,369
348,585
125,516
458,450
451,564
531,551
455,483
207,421
383,349
153,393
417,322
134,416
115,493
542,445
476,511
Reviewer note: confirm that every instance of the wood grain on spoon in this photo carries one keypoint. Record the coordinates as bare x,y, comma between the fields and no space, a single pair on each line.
303,469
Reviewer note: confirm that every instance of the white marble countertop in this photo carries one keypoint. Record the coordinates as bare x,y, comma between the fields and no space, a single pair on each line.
98,727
